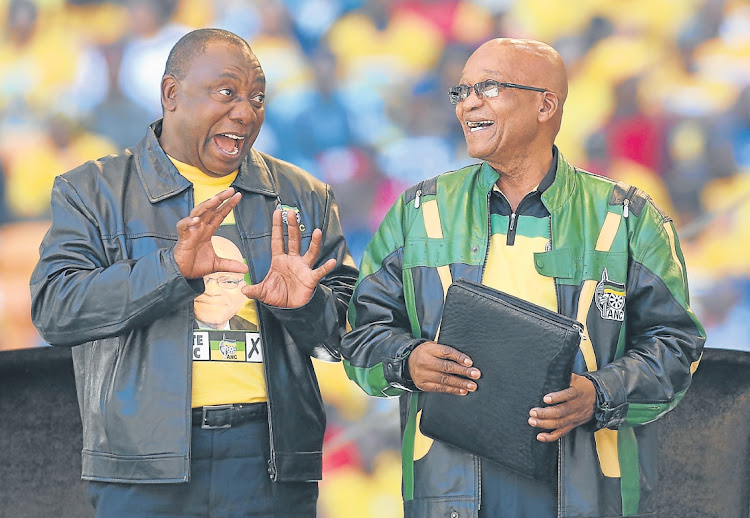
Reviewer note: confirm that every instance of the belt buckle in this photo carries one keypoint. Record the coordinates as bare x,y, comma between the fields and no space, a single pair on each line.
205,426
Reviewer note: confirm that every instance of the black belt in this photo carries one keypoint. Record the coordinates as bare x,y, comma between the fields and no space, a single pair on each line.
226,416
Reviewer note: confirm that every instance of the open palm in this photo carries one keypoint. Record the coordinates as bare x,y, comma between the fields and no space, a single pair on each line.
291,278
194,253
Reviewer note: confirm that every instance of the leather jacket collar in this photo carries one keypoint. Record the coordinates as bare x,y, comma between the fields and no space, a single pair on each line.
162,180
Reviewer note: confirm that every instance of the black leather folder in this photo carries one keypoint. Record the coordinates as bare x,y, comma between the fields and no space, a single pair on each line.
524,351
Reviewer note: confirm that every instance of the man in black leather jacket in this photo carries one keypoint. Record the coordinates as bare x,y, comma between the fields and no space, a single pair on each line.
120,268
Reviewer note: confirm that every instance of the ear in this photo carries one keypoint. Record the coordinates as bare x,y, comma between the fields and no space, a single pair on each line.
548,107
169,88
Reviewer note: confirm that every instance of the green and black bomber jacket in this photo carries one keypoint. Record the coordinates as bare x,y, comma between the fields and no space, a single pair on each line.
618,269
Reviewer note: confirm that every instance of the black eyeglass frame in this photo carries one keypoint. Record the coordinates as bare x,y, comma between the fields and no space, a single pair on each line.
455,97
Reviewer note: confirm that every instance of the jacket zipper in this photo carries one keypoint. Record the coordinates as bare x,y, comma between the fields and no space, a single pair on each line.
626,201
481,276
511,236
551,247
190,338
560,448
479,483
251,270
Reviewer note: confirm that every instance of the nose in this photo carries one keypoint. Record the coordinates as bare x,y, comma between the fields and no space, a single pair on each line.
472,100
243,112
212,287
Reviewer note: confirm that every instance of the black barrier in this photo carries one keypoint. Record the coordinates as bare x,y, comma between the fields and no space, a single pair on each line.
40,436
705,442
704,450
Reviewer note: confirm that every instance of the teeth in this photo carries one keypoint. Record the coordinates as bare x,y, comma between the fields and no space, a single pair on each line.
232,135
478,125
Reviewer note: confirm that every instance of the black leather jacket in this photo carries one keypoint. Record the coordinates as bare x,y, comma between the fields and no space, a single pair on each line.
107,279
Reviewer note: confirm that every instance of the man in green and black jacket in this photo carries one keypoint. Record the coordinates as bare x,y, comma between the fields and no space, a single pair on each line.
526,222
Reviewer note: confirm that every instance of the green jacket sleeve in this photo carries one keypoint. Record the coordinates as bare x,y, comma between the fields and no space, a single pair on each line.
375,351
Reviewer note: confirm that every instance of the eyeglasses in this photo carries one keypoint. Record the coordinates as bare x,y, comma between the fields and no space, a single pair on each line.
485,89
228,283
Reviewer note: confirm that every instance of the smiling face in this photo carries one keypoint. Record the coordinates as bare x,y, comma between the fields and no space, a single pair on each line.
223,296
212,116
509,126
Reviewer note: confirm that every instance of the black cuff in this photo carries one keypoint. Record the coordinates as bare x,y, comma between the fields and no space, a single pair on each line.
396,371
606,416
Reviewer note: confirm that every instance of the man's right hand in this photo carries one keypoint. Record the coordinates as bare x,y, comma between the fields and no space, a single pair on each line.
194,252
439,368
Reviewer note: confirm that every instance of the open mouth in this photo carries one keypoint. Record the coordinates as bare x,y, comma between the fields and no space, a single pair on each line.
229,143
478,125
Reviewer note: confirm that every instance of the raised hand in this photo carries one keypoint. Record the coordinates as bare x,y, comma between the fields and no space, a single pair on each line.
291,279
440,368
567,409
194,252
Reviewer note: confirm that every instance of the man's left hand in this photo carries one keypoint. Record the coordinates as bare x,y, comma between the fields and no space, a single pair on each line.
291,279
567,409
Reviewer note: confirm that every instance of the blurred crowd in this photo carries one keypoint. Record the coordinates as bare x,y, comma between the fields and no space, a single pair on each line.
659,98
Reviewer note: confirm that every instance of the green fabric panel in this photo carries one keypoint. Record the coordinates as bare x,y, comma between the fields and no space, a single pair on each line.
411,305
556,263
462,201
664,266
438,252
595,262
570,269
407,450
578,230
386,240
630,475
642,413
371,380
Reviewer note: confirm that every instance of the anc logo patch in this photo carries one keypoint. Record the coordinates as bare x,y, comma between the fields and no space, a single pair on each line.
284,209
610,298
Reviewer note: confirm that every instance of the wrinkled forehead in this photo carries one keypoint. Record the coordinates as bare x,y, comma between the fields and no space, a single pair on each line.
502,62
226,59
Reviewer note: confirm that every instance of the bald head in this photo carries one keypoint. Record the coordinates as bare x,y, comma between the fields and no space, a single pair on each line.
514,126
194,44
527,62
225,249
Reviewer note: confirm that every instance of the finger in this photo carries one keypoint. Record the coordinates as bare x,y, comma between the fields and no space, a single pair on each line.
546,423
185,224
449,384
229,265
294,233
321,271
227,207
448,352
554,435
312,252
433,366
253,291
277,234
560,397
210,204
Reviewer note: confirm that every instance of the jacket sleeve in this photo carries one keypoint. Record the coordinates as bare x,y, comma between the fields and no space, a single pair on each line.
376,349
77,296
319,325
663,338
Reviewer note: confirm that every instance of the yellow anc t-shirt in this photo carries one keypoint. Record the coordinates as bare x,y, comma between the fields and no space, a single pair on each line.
529,233
227,349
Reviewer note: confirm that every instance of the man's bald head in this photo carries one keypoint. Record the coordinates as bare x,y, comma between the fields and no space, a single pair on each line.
194,44
225,249
517,123
531,62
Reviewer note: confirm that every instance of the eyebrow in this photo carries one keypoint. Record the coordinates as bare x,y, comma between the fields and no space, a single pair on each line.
261,79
